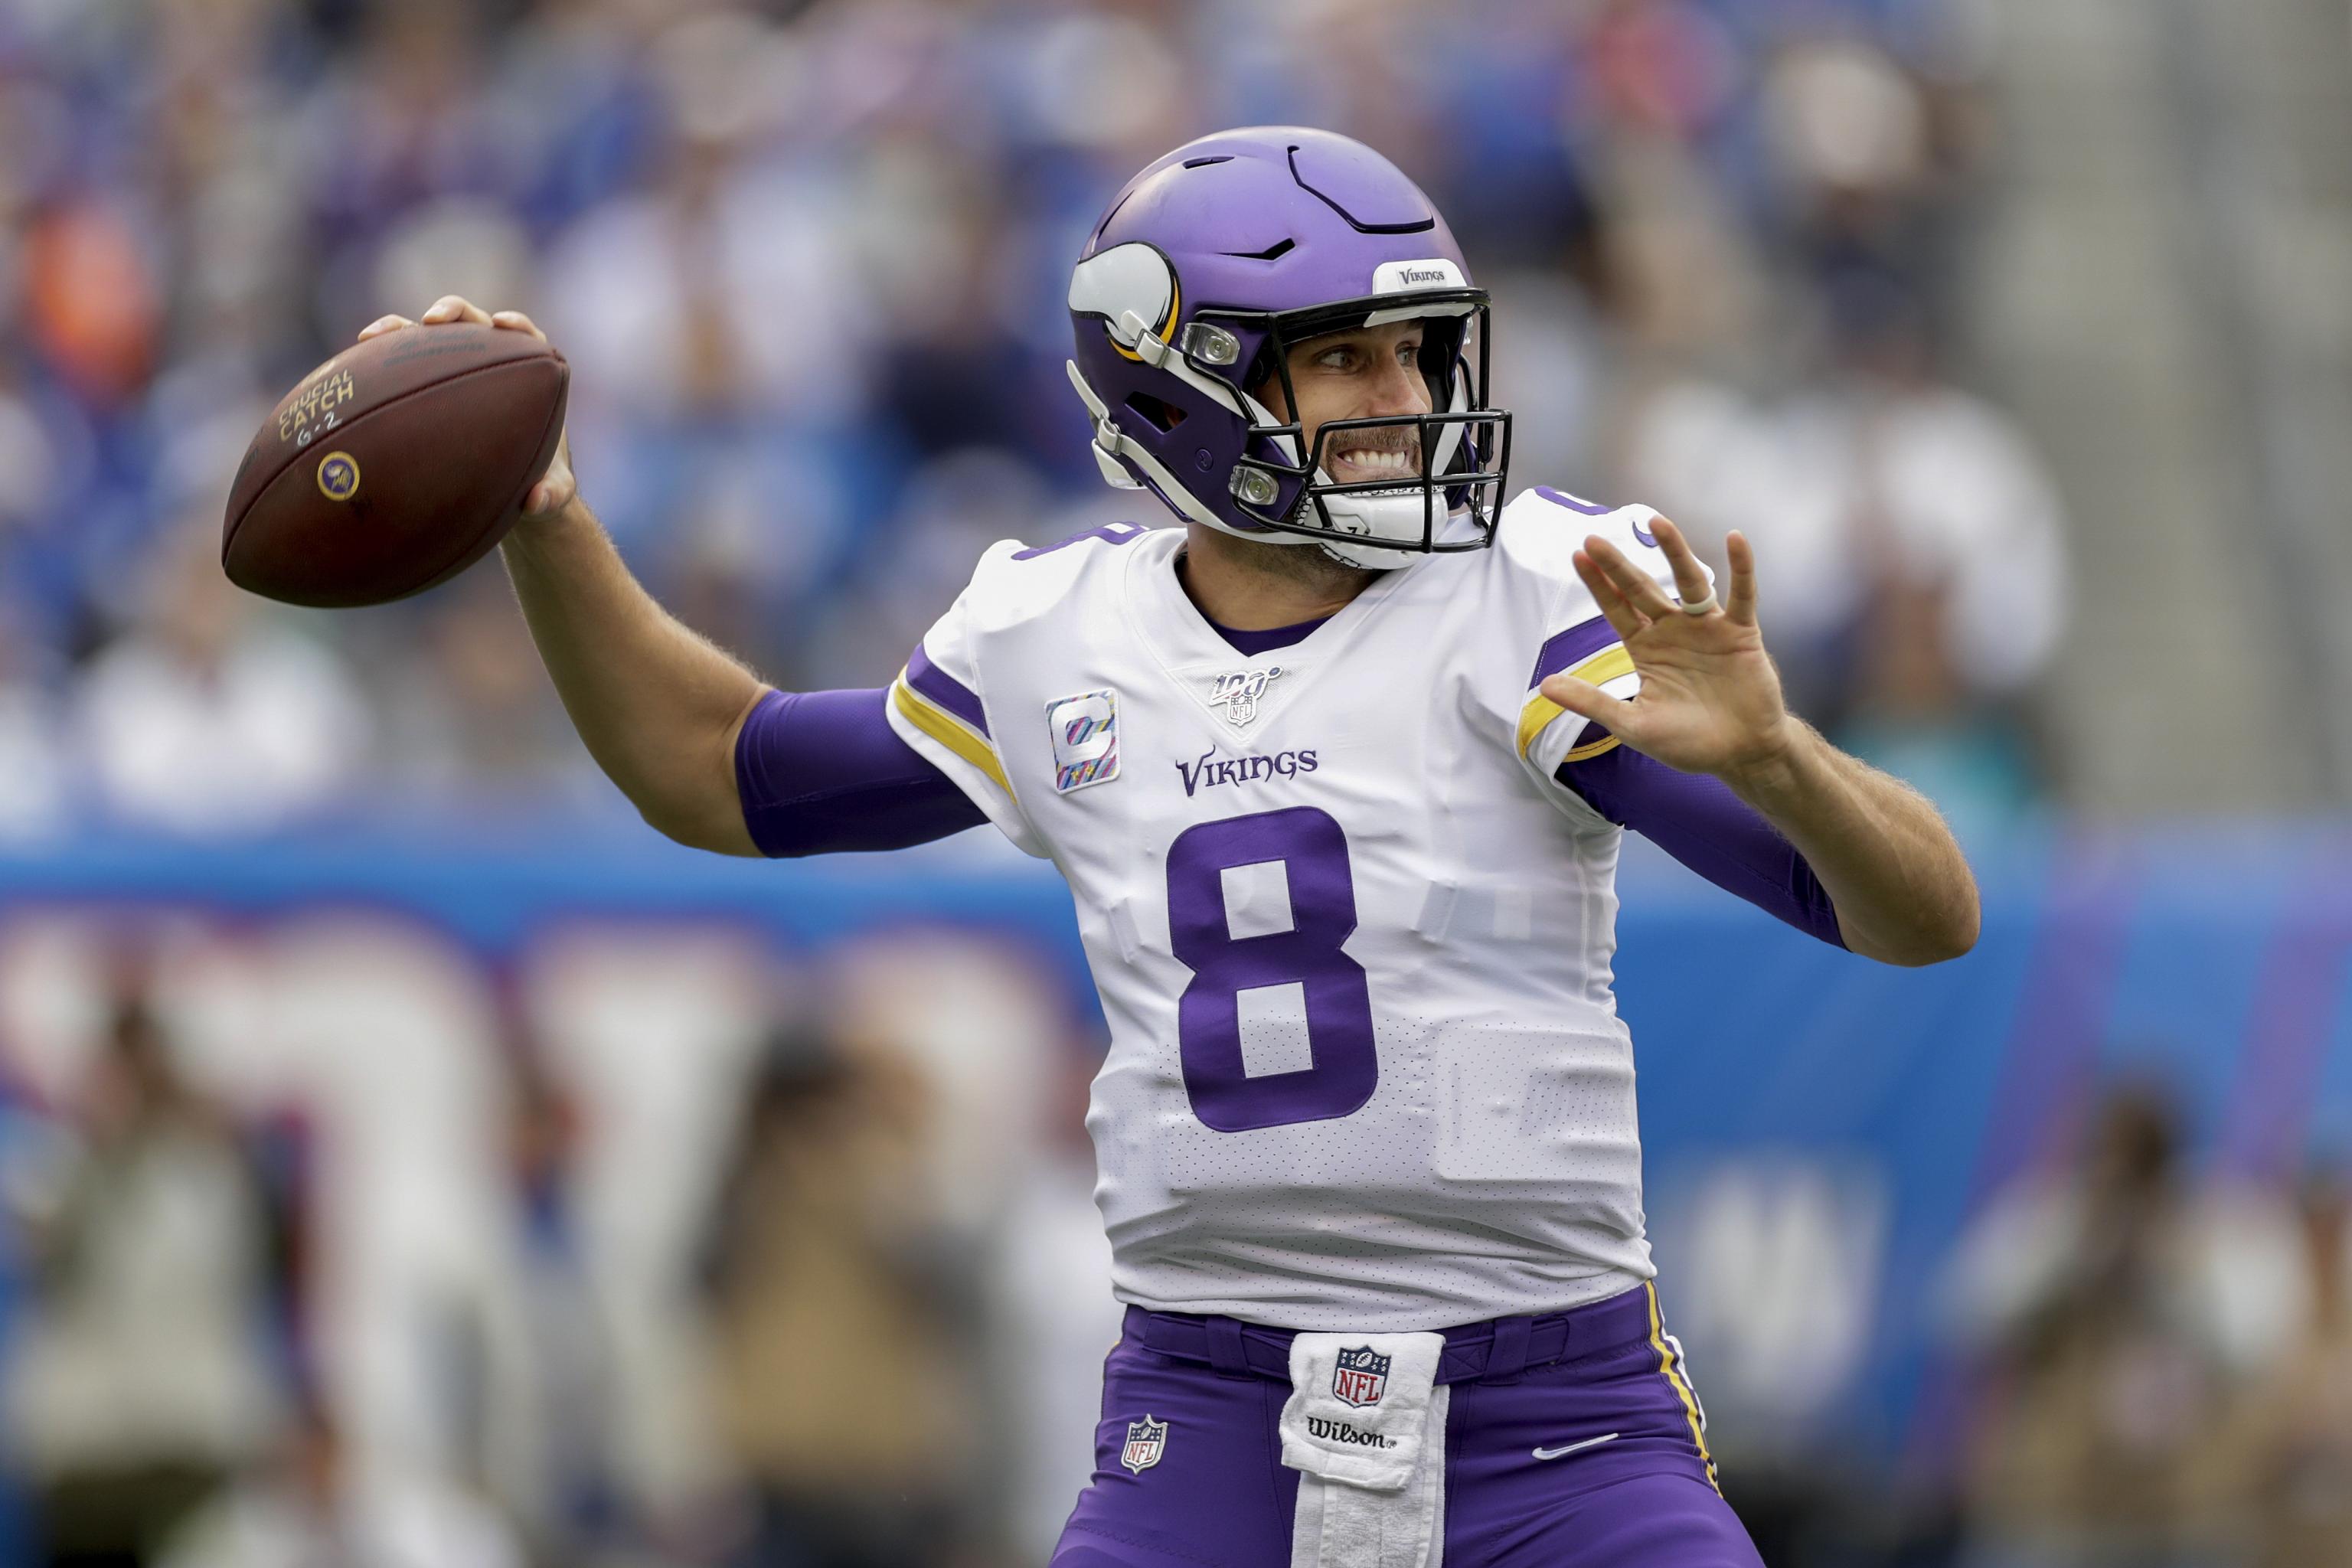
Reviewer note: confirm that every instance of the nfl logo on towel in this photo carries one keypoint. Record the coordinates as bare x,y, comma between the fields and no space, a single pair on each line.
1359,1376
1146,1440
1086,738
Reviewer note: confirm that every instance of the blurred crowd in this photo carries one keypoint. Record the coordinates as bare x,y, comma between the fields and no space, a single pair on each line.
872,1343
2162,1356
808,261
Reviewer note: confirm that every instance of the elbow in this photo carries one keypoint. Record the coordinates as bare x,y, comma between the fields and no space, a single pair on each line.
700,824
1938,937
699,831
1956,939
694,796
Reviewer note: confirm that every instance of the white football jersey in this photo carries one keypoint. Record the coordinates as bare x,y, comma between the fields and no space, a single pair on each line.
1353,939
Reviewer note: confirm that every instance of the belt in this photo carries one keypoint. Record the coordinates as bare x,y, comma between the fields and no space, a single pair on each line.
1493,1351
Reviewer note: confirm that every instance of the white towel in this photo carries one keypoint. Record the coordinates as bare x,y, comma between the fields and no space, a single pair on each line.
1365,1428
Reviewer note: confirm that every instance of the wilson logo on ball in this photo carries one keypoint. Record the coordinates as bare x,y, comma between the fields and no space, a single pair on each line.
339,476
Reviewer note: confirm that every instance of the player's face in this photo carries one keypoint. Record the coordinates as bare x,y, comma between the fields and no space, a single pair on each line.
1365,373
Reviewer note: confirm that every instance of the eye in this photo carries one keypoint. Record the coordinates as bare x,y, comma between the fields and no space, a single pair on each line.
1340,356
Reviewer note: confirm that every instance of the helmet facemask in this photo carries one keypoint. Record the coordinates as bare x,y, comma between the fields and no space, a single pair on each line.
1450,504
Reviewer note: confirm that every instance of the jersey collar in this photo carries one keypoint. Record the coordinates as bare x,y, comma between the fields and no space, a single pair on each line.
1190,650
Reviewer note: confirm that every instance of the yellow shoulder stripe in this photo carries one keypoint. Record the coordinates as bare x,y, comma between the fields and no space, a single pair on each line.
1605,666
947,731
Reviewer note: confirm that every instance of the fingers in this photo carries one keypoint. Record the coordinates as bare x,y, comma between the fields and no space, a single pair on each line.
1623,619
556,486
1690,578
1741,605
454,307
1587,701
1640,589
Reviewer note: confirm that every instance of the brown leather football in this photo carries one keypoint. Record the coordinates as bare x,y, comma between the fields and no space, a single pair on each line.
393,465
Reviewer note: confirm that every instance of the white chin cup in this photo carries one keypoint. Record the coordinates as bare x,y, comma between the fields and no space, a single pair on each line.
1369,557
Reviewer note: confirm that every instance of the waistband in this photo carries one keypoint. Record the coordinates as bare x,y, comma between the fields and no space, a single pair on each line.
1493,1351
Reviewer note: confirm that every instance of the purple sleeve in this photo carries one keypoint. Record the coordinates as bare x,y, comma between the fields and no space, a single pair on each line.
821,772
1696,818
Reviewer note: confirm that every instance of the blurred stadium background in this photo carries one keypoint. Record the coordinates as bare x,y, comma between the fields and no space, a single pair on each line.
407,1159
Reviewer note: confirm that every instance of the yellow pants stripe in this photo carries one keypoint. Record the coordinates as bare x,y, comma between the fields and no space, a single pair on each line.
1671,1365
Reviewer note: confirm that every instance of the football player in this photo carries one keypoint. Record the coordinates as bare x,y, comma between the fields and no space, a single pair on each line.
1337,771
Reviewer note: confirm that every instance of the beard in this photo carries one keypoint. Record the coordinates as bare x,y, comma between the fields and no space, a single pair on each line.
1308,566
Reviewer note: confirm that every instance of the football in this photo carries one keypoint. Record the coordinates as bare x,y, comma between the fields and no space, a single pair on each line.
394,466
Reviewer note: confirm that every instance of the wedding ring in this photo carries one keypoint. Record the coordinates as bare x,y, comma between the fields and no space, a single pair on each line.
1700,608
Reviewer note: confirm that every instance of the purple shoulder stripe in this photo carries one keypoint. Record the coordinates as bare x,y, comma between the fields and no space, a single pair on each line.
1573,647
1573,503
944,690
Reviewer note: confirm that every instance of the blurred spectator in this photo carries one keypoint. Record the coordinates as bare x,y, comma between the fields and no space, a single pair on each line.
1049,1280
2285,1459
2087,1300
33,760
206,719
572,1502
469,711
841,1371
143,1378
311,1510
1913,542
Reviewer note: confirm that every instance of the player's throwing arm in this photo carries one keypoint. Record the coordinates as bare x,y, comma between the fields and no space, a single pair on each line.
657,706
1710,702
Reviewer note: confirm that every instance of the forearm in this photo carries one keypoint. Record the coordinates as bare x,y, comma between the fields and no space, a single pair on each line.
657,705
1902,889
1697,819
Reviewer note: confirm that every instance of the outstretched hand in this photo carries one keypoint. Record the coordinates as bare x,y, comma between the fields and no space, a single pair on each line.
1710,699
556,486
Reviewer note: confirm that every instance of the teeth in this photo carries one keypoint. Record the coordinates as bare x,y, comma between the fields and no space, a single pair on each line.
1374,461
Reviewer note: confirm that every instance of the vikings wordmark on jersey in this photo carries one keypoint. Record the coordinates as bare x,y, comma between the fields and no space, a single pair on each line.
1355,954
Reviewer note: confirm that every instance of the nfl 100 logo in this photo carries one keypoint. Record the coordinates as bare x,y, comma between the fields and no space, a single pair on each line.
1361,1376
1146,1440
1240,693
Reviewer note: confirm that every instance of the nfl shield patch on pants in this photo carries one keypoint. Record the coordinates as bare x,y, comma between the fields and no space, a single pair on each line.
1146,1440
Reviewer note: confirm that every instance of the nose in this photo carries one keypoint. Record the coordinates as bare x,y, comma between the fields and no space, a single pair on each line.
1398,387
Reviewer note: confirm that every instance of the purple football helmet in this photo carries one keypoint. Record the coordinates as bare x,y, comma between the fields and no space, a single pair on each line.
1207,267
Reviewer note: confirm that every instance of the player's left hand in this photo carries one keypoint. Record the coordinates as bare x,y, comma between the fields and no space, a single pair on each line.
1710,699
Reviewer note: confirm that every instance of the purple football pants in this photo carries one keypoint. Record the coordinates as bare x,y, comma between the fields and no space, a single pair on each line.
1572,1441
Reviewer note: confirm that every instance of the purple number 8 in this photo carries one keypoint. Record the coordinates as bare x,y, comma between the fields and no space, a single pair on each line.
1344,1066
